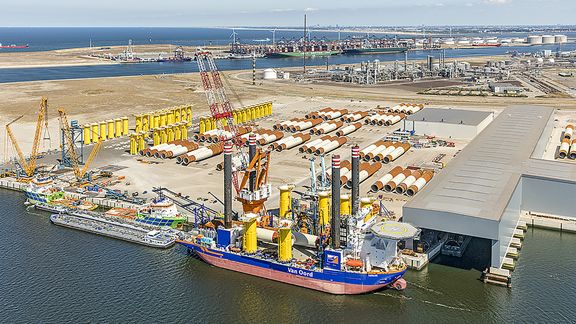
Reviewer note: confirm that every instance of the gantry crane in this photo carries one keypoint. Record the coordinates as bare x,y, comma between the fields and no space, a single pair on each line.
29,166
80,173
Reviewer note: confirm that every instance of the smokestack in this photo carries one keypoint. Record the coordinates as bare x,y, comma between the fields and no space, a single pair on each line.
335,222
355,178
251,154
228,184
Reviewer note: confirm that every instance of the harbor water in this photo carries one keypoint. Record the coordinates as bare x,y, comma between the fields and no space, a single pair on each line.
42,39
54,274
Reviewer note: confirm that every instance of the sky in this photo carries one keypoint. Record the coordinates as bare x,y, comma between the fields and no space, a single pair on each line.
198,13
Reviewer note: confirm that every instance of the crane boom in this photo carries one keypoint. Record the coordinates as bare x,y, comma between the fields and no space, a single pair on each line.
78,172
220,107
65,126
36,142
91,157
21,157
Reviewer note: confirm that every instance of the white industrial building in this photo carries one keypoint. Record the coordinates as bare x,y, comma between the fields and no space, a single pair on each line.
505,88
448,123
483,190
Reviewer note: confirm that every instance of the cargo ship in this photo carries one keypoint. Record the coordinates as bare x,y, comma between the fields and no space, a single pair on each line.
375,50
14,46
364,260
301,54
486,45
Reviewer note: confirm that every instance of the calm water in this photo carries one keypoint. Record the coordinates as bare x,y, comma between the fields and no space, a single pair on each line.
53,274
56,38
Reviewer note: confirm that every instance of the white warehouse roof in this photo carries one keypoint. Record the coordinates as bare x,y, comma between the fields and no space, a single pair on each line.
479,181
450,116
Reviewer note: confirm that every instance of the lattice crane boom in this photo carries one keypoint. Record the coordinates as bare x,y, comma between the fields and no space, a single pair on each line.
21,157
78,172
91,157
65,126
40,122
220,107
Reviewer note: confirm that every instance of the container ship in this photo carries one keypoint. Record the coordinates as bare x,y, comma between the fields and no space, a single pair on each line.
487,44
301,54
375,50
349,254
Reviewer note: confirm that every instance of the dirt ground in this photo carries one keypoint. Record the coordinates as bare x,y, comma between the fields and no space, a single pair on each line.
93,100
81,56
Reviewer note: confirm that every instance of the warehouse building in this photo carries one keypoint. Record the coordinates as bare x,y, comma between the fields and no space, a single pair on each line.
499,174
448,123
505,88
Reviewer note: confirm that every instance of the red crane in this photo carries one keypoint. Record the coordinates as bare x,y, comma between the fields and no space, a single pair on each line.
220,107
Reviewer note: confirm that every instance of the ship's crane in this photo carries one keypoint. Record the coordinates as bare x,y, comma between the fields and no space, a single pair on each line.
29,166
65,126
220,107
254,197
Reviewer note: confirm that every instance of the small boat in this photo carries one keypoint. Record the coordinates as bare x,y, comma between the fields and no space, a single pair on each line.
456,245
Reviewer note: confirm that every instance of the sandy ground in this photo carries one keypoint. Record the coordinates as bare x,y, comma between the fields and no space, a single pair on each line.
288,167
81,56
93,100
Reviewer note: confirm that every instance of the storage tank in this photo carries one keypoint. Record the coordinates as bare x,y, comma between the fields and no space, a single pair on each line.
519,40
560,38
270,74
534,39
548,39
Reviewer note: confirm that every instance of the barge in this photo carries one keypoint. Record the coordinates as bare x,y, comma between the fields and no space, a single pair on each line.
115,229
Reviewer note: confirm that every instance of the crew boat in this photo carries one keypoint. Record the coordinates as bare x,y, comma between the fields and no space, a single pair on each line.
161,211
44,194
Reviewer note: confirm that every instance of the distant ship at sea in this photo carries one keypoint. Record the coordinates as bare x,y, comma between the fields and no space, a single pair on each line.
13,46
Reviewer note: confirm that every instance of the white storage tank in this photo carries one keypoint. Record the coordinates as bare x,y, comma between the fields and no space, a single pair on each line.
534,39
519,40
269,74
560,38
548,39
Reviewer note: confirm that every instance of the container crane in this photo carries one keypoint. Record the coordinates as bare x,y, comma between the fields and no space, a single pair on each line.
80,173
29,166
